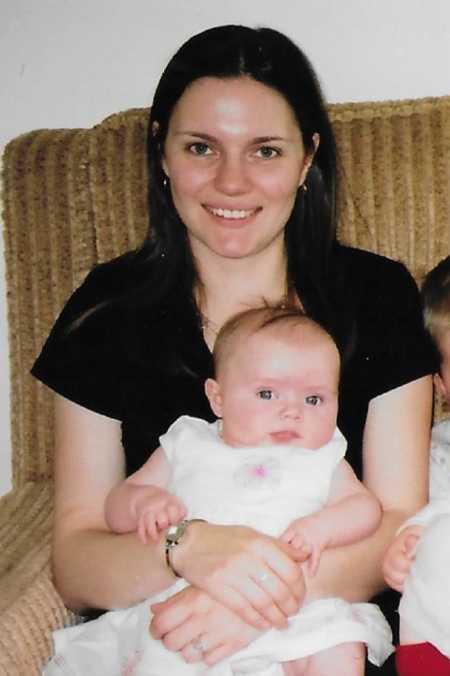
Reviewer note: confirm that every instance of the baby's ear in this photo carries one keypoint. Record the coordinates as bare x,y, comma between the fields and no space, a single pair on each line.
212,390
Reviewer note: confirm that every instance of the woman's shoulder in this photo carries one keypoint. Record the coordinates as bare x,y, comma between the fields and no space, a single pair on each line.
369,265
111,294
390,344
376,284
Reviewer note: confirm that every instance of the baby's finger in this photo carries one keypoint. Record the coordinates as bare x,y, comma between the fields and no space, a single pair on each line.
411,542
162,520
142,530
313,561
175,513
151,527
288,535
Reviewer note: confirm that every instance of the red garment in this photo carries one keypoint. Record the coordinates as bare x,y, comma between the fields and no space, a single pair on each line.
421,659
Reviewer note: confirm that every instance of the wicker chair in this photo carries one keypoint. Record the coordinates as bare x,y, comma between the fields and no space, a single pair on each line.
75,197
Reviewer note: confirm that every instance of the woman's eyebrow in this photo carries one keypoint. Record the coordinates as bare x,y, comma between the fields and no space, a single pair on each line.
209,137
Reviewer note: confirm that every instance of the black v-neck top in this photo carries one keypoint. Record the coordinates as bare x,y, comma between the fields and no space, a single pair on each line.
147,367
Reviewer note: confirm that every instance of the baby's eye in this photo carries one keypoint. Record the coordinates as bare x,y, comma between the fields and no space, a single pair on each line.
200,148
267,152
313,400
265,394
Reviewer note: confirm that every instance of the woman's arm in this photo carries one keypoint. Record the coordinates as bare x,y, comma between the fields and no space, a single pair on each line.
395,461
92,566
96,568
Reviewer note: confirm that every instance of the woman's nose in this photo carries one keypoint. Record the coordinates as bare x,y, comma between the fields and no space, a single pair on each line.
232,176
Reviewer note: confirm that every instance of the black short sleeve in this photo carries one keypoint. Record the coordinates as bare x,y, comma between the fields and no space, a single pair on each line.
390,345
83,358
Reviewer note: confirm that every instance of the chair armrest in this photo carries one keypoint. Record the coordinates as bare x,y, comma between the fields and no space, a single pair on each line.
30,607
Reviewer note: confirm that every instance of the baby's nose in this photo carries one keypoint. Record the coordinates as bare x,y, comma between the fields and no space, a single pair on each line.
292,410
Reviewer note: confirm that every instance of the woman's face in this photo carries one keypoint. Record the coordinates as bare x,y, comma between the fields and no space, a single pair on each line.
235,159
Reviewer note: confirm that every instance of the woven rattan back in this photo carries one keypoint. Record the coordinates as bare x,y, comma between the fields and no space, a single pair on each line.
75,197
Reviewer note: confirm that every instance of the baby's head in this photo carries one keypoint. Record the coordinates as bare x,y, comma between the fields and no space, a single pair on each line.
436,305
276,379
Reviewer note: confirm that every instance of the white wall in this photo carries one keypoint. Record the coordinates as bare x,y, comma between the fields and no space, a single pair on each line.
69,63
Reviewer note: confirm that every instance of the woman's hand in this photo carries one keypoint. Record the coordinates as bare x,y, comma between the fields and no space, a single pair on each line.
399,557
200,628
256,576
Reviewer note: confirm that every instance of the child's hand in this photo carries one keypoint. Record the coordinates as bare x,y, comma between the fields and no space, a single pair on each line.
156,509
304,534
399,557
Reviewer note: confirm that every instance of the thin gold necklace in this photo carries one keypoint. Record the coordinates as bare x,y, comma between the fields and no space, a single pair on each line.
207,324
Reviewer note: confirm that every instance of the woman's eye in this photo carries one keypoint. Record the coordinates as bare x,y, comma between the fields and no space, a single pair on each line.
267,152
200,148
265,394
313,400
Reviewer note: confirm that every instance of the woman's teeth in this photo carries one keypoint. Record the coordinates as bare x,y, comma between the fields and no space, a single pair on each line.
232,213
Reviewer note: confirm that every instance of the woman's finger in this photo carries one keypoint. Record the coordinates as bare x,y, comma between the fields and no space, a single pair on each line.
260,591
239,602
167,615
278,593
190,654
185,634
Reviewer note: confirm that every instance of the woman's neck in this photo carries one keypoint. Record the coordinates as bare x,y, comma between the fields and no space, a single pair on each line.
229,286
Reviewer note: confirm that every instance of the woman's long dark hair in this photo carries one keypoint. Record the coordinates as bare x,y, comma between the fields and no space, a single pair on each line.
264,54
273,59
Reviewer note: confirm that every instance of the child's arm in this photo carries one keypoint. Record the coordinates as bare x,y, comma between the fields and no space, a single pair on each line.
351,514
141,503
400,555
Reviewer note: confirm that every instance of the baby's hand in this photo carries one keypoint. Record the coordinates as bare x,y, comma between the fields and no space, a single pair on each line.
304,534
155,510
400,555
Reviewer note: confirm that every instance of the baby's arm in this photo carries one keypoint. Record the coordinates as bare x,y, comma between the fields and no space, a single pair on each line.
350,514
141,503
400,555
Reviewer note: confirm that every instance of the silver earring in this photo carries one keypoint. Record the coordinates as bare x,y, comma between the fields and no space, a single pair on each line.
165,182
304,187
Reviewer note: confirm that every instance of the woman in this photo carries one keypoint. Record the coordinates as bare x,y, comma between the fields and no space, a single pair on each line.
242,209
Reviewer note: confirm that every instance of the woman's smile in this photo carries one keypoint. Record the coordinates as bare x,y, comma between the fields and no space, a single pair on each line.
233,218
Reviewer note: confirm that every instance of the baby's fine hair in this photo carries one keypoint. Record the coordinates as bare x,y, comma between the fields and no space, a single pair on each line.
247,323
436,300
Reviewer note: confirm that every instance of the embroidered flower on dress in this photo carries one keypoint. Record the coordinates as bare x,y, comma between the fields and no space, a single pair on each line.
258,474
131,664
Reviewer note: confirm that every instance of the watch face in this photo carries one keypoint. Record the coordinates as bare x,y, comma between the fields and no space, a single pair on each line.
175,533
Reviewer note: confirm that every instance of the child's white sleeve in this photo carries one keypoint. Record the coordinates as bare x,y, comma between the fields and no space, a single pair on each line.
427,514
440,461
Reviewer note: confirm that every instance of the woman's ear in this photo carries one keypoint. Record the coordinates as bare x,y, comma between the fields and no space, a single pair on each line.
309,158
212,390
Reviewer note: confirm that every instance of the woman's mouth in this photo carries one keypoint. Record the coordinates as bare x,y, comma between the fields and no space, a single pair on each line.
231,214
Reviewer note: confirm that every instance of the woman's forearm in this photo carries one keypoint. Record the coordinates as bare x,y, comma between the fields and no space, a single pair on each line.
99,569
354,572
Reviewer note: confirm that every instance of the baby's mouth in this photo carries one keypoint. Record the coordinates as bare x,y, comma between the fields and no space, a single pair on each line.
284,436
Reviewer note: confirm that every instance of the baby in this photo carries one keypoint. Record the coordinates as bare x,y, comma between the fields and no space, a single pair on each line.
273,461
418,561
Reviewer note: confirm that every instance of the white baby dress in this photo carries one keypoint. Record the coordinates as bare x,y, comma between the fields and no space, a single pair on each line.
265,488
